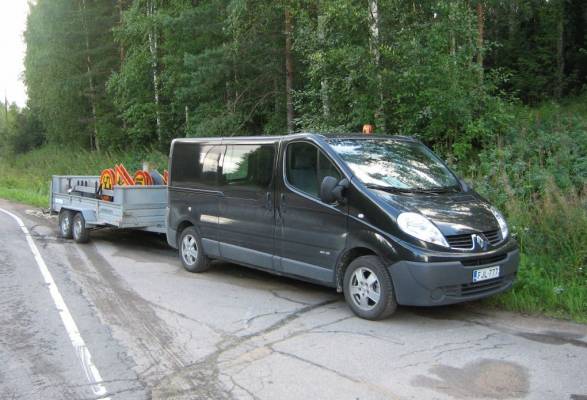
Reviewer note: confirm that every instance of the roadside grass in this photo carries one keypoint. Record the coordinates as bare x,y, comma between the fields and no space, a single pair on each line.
25,177
552,234
538,177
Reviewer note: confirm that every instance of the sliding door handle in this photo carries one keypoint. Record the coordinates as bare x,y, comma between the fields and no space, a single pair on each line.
282,203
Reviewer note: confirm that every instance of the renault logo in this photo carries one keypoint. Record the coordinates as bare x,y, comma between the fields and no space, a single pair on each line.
480,241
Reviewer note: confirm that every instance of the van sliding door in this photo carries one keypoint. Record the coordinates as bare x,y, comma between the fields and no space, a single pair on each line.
246,227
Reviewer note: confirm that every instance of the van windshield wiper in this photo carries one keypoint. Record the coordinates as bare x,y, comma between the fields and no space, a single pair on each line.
393,189
437,190
390,189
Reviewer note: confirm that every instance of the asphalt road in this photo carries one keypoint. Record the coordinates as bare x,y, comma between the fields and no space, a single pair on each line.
155,331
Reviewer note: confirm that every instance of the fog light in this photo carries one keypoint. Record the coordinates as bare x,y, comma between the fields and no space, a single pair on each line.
437,294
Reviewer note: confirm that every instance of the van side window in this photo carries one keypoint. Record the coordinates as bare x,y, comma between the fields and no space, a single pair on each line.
209,164
248,166
195,165
307,166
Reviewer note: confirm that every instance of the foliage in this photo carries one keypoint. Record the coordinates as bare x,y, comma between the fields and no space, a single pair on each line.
430,85
141,72
538,176
541,45
70,54
544,144
20,131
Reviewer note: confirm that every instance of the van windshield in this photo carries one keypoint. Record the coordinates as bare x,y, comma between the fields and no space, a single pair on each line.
395,165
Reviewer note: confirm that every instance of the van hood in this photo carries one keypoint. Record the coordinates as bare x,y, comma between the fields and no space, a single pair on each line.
452,213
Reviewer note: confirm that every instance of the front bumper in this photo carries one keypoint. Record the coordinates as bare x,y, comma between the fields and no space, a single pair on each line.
440,283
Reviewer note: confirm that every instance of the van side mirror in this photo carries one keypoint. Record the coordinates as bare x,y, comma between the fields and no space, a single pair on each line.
332,190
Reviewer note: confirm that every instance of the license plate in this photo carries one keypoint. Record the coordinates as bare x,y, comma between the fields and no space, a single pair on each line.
485,274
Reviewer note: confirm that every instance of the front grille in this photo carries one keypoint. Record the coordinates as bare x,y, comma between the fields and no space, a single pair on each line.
465,242
494,237
483,260
471,289
460,241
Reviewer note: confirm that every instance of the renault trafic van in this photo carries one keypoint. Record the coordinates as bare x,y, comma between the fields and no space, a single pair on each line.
381,219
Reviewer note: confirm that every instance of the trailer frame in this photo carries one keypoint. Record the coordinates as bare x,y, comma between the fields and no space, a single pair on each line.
132,207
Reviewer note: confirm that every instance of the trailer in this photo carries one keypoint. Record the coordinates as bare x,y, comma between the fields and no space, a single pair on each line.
81,205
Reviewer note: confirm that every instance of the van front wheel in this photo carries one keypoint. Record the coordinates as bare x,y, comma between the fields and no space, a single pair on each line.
368,289
191,253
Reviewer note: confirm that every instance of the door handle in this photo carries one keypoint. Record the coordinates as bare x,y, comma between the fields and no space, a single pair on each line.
282,203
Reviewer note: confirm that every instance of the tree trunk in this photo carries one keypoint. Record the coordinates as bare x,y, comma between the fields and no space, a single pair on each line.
121,4
374,44
324,81
120,22
289,72
560,57
480,37
5,107
512,22
94,139
452,35
153,48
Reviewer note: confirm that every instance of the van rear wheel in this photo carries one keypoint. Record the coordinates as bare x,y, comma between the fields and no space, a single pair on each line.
191,253
368,289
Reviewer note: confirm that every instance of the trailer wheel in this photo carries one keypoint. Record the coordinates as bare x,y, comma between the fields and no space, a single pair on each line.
80,231
191,253
65,223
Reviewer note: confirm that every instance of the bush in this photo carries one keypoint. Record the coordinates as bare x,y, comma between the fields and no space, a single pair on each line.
537,175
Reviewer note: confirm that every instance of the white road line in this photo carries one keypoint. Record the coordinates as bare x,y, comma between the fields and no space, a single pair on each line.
81,350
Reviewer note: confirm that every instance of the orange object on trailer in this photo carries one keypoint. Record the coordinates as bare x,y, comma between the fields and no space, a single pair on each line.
107,182
143,178
166,176
107,179
122,176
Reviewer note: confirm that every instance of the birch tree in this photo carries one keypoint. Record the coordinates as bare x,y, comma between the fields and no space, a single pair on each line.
94,138
289,71
374,18
153,48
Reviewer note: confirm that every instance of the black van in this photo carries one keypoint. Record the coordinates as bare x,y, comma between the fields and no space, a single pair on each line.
381,219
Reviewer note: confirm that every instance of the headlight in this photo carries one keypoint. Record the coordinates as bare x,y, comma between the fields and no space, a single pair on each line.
503,226
420,227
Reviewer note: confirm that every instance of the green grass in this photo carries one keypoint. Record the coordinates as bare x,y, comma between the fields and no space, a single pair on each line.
538,177
25,178
552,234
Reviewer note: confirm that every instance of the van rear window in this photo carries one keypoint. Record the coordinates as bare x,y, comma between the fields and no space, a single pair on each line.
195,165
248,166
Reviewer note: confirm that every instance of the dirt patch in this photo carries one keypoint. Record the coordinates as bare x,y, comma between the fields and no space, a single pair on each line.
485,379
555,338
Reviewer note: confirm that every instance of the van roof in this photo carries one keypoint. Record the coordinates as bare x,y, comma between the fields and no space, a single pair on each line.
300,135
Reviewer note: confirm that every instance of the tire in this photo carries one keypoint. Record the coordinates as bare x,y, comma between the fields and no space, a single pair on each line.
66,223
80,231
368,289
191,252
